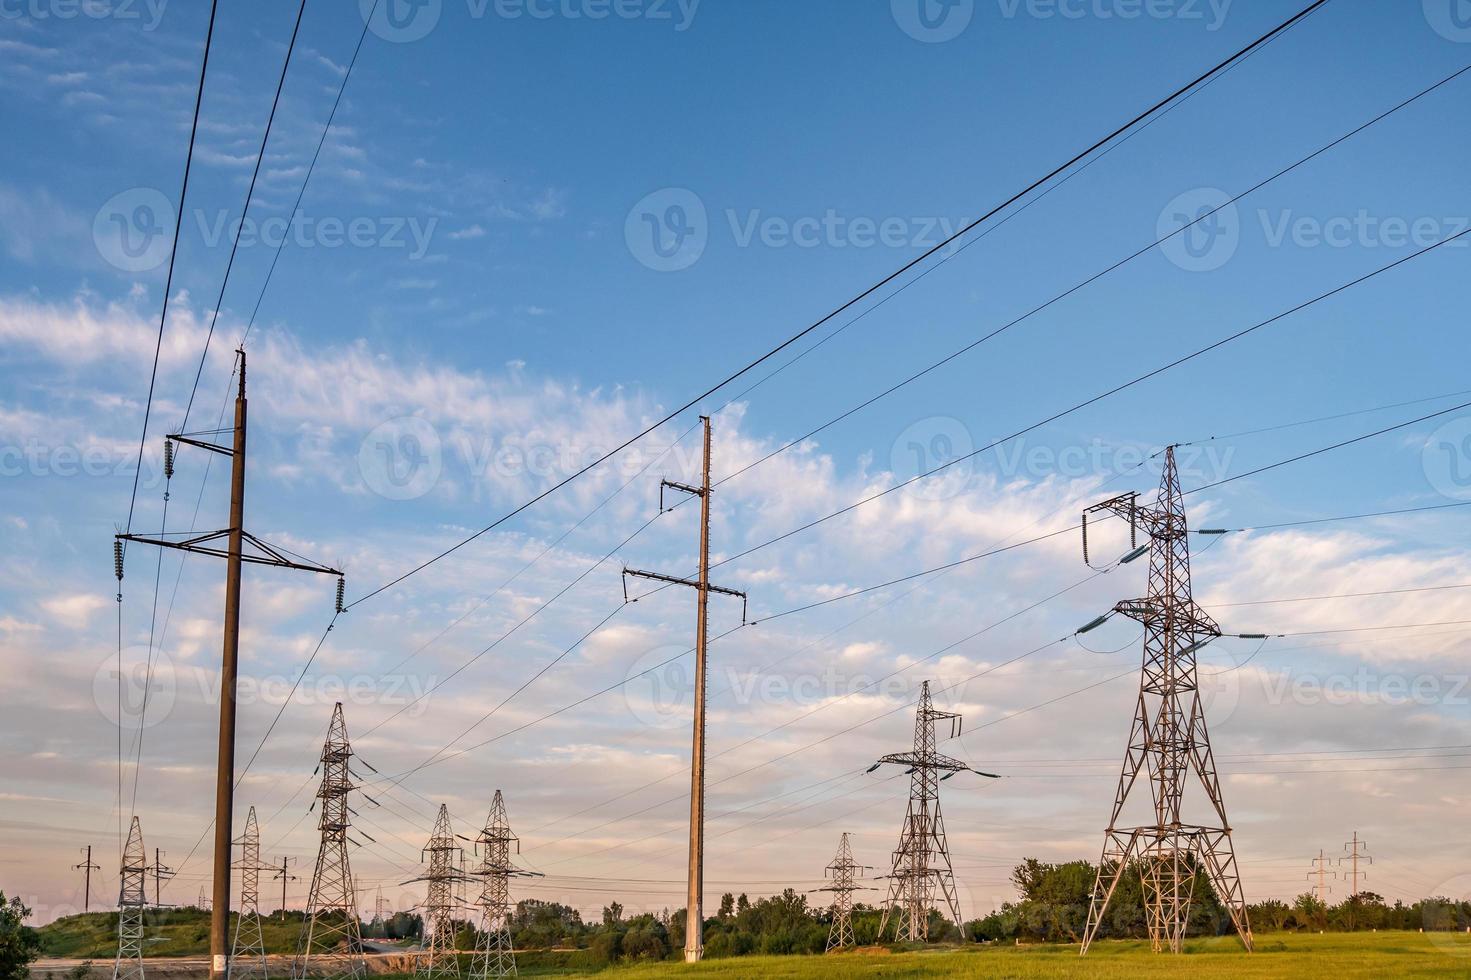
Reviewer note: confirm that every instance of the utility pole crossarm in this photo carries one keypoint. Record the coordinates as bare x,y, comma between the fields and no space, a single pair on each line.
267,554
675,580
213,447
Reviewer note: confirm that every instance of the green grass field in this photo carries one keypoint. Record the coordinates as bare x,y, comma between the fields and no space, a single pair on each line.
1360,956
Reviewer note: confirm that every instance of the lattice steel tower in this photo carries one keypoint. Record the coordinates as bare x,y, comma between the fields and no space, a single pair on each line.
494,956
1168,741
439,907
842,872
331,943
132,897
248,951
922,868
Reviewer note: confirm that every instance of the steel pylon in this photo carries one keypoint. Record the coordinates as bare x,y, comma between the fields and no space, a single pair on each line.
922,872
132,897
439,959
331,944
248,951
494,955
842,872
1168,742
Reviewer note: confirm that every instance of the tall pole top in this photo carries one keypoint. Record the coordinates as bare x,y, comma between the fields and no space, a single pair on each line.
240,352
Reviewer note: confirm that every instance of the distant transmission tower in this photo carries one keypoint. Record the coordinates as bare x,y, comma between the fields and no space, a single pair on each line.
494,956
439,908
331,943
1168,739
1355,854
132,897
1320,871
380,907
922,860
248,951
842,872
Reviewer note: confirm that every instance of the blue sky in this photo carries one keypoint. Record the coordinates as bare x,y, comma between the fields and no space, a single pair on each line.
505,176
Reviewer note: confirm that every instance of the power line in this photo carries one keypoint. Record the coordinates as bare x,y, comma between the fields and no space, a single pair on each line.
1108,271
1113,391
871,290
245,210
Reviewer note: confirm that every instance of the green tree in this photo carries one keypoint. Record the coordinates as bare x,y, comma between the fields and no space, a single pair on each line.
20,945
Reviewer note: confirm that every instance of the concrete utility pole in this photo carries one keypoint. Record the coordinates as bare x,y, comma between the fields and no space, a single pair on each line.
694,945
1355,852
283,877
1322,889
160,872
87,867
235,537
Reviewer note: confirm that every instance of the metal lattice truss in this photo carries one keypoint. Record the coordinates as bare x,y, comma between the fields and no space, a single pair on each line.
922,873
1168,742
444,877
494,955
843,872
331,944
248,950
132,897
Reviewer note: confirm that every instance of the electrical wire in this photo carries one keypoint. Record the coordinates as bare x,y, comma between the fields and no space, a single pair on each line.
870,291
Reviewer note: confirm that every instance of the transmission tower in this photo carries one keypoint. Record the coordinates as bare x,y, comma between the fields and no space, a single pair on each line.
250,941
922,866
380,907
132,897
843,872
331,943
494,956
87,867
694,941
1355,855
1321,889
1168,740
439,907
